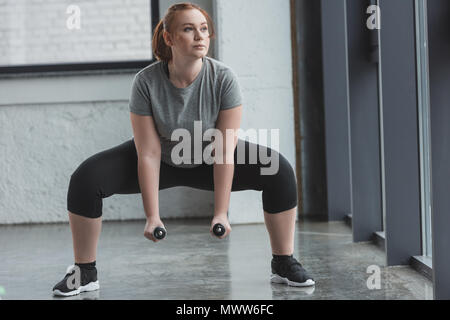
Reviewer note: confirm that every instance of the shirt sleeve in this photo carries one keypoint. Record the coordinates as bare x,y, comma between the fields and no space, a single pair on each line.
140,98
230,93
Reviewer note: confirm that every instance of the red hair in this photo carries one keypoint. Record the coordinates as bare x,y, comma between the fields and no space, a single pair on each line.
162,51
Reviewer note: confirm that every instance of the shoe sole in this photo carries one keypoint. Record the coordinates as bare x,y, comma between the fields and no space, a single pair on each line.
91,286
278,279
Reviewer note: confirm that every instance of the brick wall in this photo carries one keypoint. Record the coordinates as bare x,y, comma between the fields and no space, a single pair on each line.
36,31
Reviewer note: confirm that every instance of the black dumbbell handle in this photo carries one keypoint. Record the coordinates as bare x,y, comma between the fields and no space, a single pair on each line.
219,229
159,233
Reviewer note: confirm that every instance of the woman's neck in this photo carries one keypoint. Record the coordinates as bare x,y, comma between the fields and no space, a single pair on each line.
183,73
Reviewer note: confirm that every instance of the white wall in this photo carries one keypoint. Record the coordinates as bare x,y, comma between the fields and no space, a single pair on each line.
49,125
254,38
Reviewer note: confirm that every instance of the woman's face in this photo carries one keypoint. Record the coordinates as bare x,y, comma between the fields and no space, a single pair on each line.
190,30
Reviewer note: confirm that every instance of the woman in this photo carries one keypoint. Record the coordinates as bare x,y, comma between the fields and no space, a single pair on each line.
183,86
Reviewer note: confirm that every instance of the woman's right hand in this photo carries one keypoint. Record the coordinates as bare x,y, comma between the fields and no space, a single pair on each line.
150,226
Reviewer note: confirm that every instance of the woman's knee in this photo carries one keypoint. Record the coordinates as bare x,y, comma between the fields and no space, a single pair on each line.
280,193
84,196
101,175
286,174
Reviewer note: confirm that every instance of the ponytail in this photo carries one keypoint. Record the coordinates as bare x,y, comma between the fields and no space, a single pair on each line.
160,49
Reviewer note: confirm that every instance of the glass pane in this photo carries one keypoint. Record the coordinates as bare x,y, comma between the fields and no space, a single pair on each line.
424,123
61,31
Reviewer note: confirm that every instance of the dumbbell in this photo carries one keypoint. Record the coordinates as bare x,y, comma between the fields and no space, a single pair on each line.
159,233
219,230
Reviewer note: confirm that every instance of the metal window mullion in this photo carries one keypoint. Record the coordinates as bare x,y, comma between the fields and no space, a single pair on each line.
439,66
401,156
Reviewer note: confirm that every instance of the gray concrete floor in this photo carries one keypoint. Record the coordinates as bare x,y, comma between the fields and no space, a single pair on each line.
190,264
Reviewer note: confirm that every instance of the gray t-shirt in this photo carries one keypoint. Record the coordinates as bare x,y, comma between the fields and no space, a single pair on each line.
215,88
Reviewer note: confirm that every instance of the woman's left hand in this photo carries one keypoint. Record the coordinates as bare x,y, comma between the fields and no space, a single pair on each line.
223,220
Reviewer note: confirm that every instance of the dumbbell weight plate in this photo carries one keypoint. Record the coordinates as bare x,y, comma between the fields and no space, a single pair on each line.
159,233
219,230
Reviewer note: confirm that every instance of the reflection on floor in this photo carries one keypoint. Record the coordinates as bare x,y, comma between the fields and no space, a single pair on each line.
191,264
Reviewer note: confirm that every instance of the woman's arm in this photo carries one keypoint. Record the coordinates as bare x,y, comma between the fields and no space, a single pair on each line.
223,173
148,147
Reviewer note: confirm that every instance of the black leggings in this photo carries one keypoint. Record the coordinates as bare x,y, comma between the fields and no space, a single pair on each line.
114,171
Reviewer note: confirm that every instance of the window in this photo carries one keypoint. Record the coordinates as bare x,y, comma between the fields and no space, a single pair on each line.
62,35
